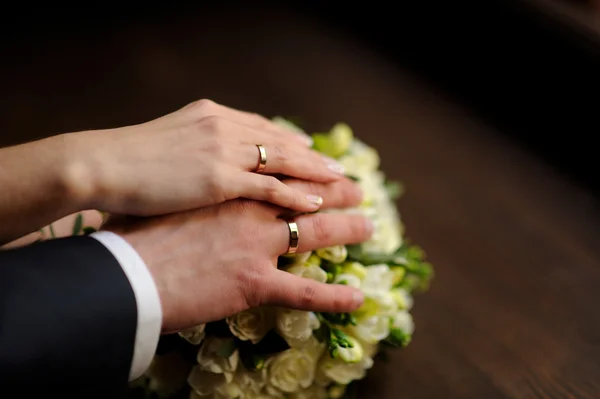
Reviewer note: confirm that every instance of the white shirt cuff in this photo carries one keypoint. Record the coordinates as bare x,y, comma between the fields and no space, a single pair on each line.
149,316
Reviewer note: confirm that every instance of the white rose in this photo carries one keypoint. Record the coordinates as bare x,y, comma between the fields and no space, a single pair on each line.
313,392
342,372
251,324
372,329
404,322
348,279
210,356
334,254
310,271
194,335
296,326
290,370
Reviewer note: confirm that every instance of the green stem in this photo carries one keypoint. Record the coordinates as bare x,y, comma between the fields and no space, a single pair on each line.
52,234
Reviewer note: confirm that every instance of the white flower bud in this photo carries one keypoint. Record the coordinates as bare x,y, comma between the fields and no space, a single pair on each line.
342,372
347,279
251,324
352,354
403,298
372,329
311,271
194,335
216,355
403,321
334,254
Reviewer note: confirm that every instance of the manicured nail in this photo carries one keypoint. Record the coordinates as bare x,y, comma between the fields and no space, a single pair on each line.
315,199
334,165
358,297
305,139
308,139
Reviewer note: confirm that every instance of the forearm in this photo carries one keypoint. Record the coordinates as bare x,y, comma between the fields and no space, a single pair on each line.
40,182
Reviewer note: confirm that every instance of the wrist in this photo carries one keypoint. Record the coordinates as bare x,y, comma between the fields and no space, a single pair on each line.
81,171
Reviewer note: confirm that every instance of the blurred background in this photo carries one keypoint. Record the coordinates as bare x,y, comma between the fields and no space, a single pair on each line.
487,111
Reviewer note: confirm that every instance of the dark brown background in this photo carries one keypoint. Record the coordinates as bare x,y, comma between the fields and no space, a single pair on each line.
512,312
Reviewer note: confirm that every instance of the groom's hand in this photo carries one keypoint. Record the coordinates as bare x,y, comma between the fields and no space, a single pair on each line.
217,261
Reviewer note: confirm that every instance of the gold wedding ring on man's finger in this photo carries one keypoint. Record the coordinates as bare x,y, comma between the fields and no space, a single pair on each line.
294,237
262,159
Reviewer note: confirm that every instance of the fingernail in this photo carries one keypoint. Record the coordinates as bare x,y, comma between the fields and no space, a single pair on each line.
305,138
315,199
369,227
358,297
334,165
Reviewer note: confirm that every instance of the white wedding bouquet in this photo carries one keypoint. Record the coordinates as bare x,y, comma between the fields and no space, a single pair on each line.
271,352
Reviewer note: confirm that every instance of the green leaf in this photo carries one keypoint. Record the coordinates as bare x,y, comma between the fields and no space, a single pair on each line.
78,224
353,178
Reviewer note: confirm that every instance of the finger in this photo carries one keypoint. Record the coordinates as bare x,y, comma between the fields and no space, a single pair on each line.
291,291
204,108
289,160
322,230
270,189
340,194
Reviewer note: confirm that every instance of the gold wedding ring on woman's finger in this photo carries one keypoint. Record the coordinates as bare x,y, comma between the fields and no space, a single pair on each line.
294,237
262,159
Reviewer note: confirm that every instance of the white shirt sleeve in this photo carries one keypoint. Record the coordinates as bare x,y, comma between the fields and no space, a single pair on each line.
149,316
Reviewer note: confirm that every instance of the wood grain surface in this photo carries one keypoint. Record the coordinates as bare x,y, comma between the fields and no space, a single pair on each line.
513,309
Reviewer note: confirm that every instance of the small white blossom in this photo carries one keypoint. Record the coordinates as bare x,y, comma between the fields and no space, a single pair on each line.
290,370
296,326
194,335
251,324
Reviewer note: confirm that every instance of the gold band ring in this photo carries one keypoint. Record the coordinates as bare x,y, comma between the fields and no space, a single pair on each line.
294,237
262,162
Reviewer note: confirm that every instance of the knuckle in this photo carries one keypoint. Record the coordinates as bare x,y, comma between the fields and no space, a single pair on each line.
251,281
279,154
213,184
320,230
271,187
202,107
213,124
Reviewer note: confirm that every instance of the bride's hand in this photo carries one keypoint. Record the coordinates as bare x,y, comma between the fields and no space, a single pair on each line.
214,262
200,155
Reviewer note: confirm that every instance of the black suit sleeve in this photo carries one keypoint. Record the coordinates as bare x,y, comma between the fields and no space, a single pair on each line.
68,320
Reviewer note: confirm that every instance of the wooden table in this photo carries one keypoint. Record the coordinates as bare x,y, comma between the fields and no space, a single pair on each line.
513,310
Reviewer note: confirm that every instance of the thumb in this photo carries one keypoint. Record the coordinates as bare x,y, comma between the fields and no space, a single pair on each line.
291,291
